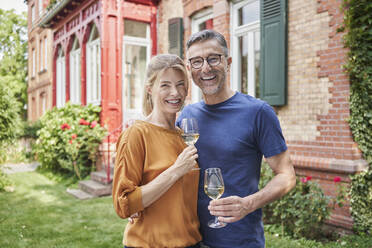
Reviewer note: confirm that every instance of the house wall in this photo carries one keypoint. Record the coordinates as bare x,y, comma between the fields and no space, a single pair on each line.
40,84
163,16
314,121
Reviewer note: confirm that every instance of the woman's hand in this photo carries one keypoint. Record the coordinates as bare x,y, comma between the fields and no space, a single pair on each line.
186,160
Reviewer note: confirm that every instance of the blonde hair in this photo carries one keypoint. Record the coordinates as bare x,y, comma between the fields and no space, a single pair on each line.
156,67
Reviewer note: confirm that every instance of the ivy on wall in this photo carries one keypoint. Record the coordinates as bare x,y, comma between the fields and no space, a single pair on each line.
358,38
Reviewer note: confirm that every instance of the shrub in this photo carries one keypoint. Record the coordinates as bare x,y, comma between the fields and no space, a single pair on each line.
302,212
30,129
69,139
358,39
4,180
361,201
9,113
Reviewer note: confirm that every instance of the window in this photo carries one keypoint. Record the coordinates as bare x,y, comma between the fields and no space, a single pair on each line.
41,57
136,55
61,79
75,69
33,108
200,21
93,67
42,103
32,13
33,62
40,4
246,47
45,52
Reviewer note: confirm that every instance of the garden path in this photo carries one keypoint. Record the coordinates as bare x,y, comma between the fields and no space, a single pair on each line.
21,167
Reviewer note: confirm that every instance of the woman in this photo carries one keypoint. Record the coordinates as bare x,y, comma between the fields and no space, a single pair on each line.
153,170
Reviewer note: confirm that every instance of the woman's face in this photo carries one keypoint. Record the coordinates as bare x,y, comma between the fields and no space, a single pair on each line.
169,92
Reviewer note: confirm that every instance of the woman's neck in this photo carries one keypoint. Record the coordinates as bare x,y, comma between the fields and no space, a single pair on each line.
165,121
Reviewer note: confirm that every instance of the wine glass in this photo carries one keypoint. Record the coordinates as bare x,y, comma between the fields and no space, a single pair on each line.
214,188
190,130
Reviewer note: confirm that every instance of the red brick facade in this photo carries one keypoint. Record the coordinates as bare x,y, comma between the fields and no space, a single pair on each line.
314,121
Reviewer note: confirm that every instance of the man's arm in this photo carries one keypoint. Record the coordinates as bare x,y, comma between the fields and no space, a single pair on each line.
234,208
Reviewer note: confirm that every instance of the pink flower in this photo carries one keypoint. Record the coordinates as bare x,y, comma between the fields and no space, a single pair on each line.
93,124
84,122
337,179
305,179
70,141
74,136
65,126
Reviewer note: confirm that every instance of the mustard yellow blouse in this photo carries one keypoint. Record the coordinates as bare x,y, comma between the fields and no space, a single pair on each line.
143,152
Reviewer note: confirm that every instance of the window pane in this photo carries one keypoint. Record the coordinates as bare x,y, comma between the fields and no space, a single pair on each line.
98,72
243,46
257,62
135,29
249,13
135,67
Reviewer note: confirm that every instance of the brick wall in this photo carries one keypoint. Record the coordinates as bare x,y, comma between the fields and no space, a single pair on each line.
41,83
315,120
163,16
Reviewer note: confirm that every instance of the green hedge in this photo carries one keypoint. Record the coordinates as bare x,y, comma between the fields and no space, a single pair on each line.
358,38
69,138
9,113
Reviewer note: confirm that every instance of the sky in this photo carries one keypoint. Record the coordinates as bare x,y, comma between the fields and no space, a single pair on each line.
18,5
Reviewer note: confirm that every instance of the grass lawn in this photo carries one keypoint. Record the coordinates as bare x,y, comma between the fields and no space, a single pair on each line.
40,214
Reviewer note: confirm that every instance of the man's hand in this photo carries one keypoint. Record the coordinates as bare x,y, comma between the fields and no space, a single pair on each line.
232,208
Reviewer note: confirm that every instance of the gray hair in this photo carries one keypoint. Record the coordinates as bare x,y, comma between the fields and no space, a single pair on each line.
208,34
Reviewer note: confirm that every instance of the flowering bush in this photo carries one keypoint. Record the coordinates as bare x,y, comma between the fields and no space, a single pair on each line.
302,212
69,139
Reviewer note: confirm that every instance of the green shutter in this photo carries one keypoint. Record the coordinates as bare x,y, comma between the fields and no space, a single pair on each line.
273,60
175,36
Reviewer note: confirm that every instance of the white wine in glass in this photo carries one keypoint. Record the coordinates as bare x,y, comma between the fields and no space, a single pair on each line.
190,139
190,131
214,188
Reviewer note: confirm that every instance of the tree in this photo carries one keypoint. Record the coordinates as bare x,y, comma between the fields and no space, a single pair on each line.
13,54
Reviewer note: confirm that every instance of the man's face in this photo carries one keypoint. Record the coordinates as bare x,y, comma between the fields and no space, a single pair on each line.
210,79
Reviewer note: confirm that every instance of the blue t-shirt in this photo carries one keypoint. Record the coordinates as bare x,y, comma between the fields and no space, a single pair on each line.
234,135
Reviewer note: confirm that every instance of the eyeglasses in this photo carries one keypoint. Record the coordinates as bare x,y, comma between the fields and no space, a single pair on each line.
212,60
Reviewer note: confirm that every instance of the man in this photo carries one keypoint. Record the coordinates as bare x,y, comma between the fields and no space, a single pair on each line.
236,130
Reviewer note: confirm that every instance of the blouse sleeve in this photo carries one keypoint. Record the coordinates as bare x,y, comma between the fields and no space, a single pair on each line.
126,193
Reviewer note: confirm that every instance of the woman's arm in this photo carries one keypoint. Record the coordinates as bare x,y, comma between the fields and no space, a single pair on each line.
157,187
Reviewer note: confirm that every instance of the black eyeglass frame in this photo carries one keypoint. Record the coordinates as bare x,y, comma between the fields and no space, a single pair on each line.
206,59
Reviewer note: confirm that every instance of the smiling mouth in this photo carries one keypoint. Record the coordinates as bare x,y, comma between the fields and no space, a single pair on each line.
208,78
173,101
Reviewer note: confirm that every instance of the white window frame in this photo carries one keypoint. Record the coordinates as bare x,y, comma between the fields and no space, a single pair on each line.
196,20
61,79
33,13
75,73
40,3
128,113
33,62
43,103
238,31
45,53
93,93
41,66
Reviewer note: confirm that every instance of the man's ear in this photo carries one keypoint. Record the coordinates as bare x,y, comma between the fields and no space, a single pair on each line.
229,61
